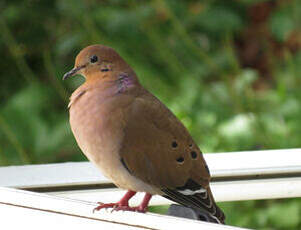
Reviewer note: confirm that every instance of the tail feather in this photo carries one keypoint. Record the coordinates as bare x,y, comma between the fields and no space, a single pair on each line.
219,213
201,200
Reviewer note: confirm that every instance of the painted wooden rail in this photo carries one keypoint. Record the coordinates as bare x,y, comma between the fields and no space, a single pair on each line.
30,210
68,191
249,175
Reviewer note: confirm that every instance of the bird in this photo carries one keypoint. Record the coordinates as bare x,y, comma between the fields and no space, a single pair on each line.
133,138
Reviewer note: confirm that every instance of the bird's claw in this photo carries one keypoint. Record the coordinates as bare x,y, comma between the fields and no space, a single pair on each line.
102,205
119,207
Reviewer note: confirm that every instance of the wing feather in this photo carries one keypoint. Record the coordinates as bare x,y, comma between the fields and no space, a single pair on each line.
159,150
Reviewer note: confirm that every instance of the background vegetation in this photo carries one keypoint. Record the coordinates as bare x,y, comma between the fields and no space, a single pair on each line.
230,70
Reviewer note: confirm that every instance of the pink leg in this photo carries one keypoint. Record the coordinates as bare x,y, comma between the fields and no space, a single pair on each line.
141,208
144,204
123,203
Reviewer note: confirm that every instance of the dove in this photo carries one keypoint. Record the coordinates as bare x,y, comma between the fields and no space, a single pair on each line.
133,138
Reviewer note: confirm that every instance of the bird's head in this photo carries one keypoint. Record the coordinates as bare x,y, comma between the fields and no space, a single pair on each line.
96,61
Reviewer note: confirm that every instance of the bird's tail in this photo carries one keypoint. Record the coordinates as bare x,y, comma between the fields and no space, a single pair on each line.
219,214
199,200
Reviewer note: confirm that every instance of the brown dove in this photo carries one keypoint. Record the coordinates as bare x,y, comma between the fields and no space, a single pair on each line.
133,138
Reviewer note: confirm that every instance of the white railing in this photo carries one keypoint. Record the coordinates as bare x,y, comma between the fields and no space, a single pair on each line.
235,176
27,210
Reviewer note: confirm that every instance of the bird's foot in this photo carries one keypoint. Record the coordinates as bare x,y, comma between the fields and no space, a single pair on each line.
102,205
132,209
123,204
120,206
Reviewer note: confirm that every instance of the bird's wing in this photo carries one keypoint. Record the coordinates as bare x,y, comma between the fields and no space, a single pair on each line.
159,150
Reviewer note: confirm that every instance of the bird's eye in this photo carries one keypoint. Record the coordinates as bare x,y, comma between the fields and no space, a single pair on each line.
93,59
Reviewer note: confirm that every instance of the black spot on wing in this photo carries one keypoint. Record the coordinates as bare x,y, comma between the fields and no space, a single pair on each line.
174,144
193,154
180,159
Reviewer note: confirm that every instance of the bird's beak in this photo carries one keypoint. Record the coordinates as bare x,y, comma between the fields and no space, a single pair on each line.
73,72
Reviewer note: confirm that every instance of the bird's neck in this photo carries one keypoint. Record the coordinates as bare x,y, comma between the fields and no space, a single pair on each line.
114,77
113,83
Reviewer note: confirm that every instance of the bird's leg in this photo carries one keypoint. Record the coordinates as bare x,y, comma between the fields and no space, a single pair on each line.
144,204
141,208
123,204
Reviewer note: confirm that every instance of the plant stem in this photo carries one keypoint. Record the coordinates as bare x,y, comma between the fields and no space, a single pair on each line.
51,75
16,52
23,155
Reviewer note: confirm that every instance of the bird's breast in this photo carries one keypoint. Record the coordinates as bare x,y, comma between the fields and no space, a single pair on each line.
97,121
93,121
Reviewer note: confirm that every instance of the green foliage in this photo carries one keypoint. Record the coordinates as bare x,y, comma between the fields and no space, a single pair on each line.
268,214
230,70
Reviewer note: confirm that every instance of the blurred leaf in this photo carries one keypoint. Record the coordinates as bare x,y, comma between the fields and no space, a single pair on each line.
245,80
238,127
282,24
288,219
